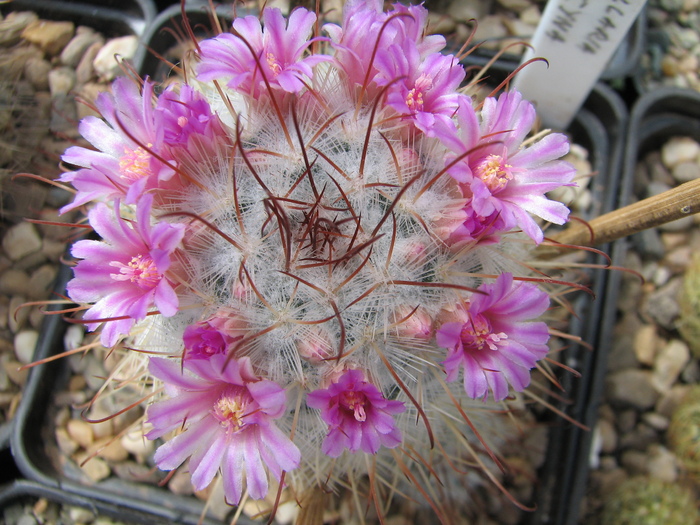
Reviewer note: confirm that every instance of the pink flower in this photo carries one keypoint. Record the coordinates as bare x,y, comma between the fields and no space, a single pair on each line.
492,341
213,336
499,176
188,123
426,88
228,414
361,33
125,275
279,49
123,165
359,417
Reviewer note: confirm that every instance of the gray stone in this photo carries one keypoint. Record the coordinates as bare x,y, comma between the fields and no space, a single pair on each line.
36,71
76,48
631,387
13,24
669,363
41,281
61,81
16,316
639,438
51,37
21,240
14,282
662,304
686,171
634,462
662,464
85,71
678,150
645,344
608,436
25,342
105,64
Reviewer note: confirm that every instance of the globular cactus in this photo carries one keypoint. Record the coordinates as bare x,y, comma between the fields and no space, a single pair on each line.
684,432
323,262
648,501
689,301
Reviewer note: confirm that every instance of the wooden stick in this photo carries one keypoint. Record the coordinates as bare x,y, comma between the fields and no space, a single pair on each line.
671,205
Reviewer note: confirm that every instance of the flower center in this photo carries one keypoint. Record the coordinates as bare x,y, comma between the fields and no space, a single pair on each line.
494,172
355,402
140,270
414,99
135,164
230,409
477,334
273,64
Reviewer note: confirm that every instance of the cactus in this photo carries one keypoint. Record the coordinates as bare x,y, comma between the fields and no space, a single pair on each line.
684,432
648,501
689,301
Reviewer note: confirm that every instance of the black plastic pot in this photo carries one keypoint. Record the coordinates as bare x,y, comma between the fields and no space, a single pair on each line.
599,127
623,63
110,17
23,491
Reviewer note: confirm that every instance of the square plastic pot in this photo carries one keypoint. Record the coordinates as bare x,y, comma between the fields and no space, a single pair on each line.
110,17
599,127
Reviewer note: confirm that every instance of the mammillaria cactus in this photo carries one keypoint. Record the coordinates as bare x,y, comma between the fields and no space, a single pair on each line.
320,265
647,501
684,432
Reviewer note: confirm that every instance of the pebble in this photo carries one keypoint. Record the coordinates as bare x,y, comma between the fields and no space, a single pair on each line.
181,483
12,26
16,316
662,464
85,71
96,469
21,240
25,343
81,432
36,71
12,369
135,442
80,515
645,344
632,387
109,449
656,421
51,37
41,281
662,304
61,81
79,44
669,363
608,436
66,444
105,64
686,171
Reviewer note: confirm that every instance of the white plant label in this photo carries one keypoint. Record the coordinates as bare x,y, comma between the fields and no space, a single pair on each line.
577,38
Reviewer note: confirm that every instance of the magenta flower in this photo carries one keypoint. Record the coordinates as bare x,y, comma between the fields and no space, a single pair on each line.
493,340
124,275
361,32
213,336
279,49
359,417
188,123
123,165
426,88
501,177
228,414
